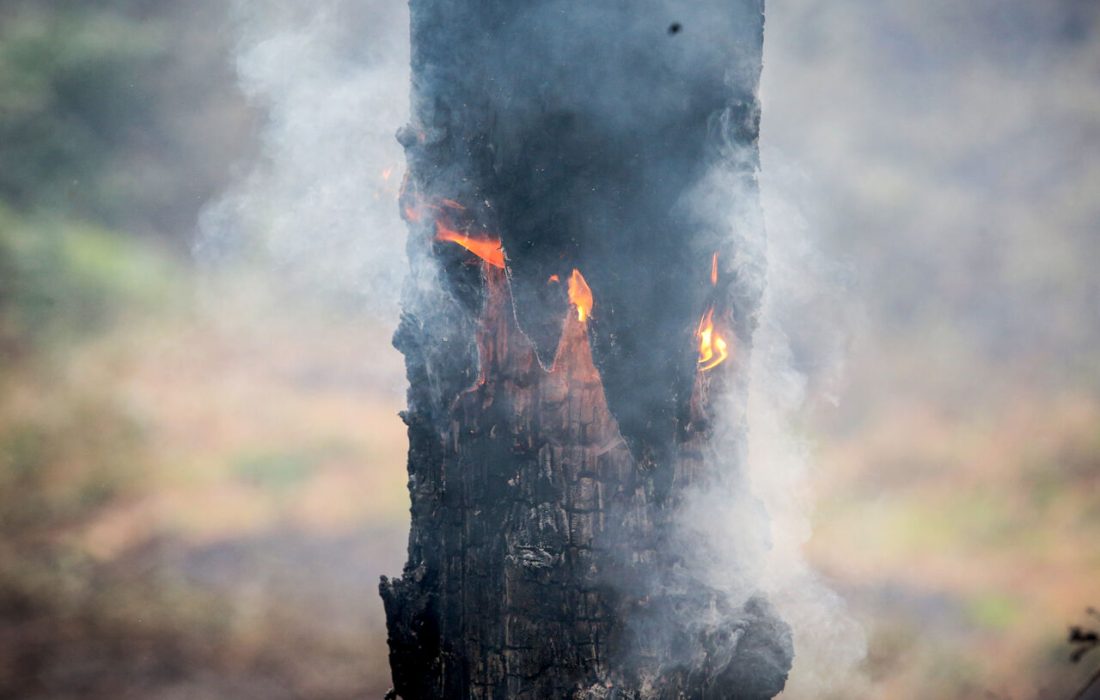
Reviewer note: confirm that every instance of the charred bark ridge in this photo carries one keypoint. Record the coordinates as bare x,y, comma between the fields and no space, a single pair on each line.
549,451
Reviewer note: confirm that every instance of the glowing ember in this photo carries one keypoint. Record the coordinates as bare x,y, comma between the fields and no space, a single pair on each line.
714,270
488,249
713,350
553,278
580,296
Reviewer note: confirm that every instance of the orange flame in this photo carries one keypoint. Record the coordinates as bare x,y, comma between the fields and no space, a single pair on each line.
488,249
714,270
713,350
580,296
553,278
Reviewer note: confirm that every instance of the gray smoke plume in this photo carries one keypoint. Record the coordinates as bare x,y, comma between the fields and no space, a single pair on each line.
806,318
744,532
319,210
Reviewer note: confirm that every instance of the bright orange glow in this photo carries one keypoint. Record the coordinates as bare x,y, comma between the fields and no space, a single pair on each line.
553,278
713,350
580,296
488,249
714,270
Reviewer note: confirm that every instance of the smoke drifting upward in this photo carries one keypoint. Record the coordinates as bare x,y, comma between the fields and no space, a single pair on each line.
320,209
806,319
330,80
743,533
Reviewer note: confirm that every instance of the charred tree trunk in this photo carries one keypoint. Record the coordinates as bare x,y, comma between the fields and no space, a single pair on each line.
560,155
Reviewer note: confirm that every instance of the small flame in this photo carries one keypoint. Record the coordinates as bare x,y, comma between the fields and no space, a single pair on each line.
713,350
580,296
553,278
714,270
488,249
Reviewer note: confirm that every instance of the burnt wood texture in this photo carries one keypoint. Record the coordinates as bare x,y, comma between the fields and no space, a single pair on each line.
549,454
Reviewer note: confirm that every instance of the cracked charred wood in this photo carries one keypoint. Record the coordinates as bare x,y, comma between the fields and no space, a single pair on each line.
560,378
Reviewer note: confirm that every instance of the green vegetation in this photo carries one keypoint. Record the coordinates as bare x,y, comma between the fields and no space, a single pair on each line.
100,175
65,280
122,114
75,86
276,471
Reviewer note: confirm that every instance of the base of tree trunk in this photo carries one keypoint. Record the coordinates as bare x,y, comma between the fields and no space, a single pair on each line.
553,582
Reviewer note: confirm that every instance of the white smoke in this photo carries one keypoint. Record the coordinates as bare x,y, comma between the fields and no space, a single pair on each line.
804,305
319,209
744,532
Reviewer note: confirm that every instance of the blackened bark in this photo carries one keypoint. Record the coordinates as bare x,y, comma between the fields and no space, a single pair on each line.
548,454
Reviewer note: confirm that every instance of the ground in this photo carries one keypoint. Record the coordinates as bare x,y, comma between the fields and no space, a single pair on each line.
223,475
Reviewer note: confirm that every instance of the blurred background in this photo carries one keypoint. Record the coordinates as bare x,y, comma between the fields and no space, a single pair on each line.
201,465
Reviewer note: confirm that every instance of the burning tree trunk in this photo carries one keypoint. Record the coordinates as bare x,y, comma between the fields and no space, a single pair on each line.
574,307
